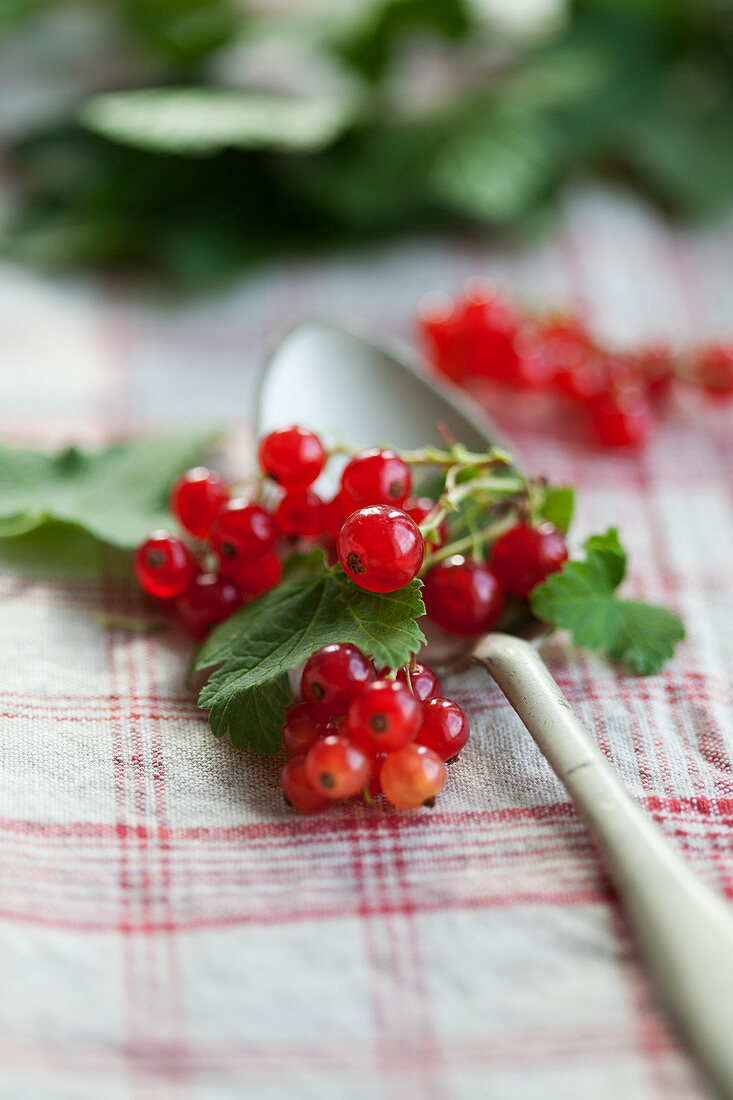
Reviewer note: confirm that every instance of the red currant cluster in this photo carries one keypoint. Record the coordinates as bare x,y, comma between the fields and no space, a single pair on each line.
359,733
483,334
238,543
482,540
382,537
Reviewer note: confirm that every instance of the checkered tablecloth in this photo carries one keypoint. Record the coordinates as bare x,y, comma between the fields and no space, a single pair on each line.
168,929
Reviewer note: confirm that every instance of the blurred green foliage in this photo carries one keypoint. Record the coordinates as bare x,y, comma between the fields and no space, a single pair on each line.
204,176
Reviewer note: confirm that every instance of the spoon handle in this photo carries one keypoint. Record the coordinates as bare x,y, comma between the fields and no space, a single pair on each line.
684,930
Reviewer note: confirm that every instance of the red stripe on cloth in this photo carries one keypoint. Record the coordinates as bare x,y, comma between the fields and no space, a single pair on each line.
302,828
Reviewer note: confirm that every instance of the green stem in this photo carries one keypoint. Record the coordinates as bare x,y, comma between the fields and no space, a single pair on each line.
469,542
501,486
458,455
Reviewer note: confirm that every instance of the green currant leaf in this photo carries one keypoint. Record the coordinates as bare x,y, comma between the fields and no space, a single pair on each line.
582,598
253,650
260,716
60,550
557,506
496,163
199,121
118,495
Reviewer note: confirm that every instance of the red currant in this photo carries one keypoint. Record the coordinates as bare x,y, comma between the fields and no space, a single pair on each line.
413,776
298,791
293,456
376,477
300,513
444,728
336,768
381,548
209,600
714,368
525,555
422,681
384,717
622,418
334,675
241,534
304,725
463,596
164,566
259,577
196,498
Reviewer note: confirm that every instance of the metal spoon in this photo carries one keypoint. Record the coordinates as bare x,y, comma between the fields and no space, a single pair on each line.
328,376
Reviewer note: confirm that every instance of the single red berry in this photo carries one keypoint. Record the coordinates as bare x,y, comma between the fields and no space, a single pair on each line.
300,514
421,680
209,600
196,498
298,790
525,555
334,675
336,768
164,566
376,477
293,456
241,534
622,418
413,776
384,717
304,725
444,728
381,548
259,577
463,596
714,369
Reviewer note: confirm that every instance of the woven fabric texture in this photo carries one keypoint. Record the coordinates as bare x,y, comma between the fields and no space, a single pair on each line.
168,929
